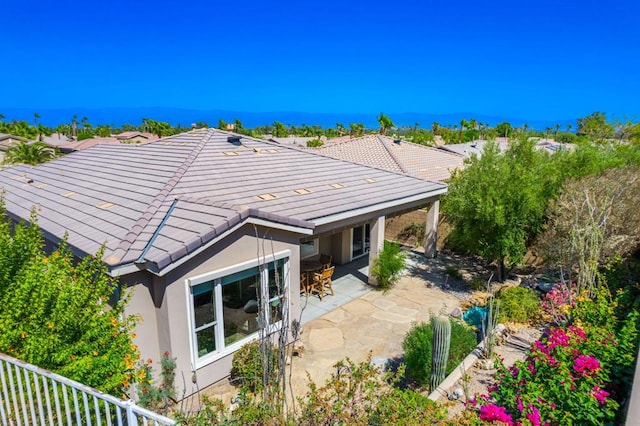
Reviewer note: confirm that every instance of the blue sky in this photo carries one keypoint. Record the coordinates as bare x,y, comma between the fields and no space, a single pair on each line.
525,59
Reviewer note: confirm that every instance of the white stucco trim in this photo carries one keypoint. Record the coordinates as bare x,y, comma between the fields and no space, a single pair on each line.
376,207
200,362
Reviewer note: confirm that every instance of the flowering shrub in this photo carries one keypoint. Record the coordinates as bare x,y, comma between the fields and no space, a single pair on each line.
156,396
558,303
562,378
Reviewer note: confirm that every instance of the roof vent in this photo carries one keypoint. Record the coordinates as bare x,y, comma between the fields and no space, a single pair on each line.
267,197
234,140
397,141
336,185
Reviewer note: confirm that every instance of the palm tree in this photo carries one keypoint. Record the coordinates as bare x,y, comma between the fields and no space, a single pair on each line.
31,154
385,123
555,134
36,116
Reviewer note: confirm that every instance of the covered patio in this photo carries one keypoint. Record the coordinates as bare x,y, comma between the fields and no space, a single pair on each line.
349,283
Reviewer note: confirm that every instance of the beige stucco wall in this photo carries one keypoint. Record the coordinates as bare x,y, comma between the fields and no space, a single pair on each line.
162,302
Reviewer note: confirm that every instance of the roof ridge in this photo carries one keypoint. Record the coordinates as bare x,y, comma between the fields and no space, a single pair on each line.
159,200
392,154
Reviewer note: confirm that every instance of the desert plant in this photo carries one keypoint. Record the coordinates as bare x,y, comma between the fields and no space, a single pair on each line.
387,267
453,272
519,304
440,353
418,345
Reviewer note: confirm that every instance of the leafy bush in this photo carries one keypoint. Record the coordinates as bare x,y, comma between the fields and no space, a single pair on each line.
315,143
56,314
387,267
417,347
359,394
519,304
247,368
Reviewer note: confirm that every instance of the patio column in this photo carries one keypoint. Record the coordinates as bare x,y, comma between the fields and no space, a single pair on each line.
376,243
431,230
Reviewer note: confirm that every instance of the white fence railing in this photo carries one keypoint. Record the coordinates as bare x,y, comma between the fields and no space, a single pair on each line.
30,395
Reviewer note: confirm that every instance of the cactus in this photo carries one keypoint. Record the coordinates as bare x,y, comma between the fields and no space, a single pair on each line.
440,350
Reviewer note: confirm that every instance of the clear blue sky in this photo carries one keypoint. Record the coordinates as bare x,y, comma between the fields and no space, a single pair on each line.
543,59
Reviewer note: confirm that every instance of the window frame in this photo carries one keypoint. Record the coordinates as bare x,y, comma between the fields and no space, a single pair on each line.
215,277
316,249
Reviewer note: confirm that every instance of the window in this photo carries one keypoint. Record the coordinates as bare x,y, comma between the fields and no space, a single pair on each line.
224,306
308,248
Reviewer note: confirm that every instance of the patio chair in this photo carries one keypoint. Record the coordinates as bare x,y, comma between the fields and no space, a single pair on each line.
322,281
304,284
325,259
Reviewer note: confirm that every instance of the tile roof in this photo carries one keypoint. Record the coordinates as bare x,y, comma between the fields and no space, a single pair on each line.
474,147
402,157
154,203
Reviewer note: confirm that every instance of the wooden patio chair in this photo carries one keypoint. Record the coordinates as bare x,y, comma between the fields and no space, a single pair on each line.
325,259
304,284
322,281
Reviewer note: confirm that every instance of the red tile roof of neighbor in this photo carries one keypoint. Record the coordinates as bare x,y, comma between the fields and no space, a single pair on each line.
395,155
153,204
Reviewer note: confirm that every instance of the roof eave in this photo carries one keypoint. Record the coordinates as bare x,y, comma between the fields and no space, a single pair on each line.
380,206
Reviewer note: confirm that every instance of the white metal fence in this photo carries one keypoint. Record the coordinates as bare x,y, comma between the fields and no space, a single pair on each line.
30,395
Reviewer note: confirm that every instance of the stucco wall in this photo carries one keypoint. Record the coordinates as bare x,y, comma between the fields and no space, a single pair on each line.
165,325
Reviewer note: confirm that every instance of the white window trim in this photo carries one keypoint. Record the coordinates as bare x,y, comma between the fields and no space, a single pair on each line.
199,362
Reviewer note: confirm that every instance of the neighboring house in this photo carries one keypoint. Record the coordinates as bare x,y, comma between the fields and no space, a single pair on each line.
183,220
398,156
552,146
474,147
136,137
88,143
7,141
57,139
395,155
295,140
477,147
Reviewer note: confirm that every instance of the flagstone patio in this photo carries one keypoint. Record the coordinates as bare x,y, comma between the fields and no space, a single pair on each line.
375,322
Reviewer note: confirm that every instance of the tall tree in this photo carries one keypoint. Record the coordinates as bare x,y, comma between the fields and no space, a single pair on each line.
385,123
497,203
279,129
36,117
595,127
32,154
356,129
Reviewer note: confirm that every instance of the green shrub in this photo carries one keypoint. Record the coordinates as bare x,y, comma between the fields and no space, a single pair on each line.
417,348
247,369
315,143
387,267
519,304
453,272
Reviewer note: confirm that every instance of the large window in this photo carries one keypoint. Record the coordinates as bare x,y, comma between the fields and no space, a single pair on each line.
225,306
308,248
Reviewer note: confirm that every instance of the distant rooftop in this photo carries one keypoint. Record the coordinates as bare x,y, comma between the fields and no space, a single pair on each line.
395,155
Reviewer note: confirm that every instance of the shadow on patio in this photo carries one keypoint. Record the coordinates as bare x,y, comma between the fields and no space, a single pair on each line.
349,283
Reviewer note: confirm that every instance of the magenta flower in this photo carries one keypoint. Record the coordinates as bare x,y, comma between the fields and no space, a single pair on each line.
534,416
586,365
600,394
492,412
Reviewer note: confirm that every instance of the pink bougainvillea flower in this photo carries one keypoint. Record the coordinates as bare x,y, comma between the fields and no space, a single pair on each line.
599,394
492,412
534,416
586,365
